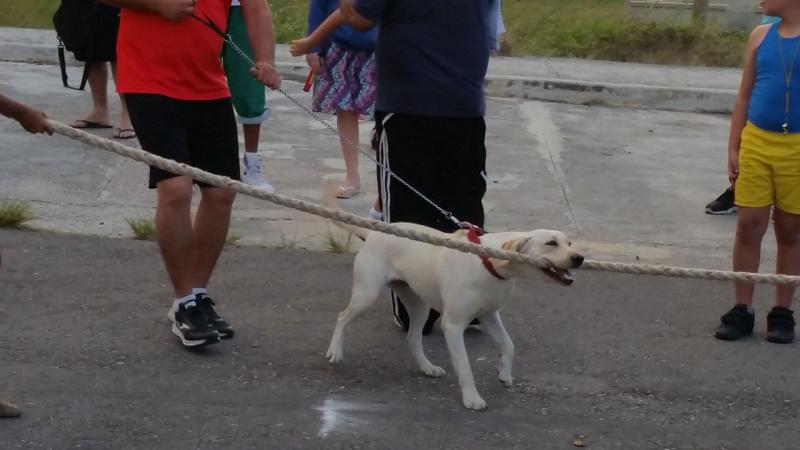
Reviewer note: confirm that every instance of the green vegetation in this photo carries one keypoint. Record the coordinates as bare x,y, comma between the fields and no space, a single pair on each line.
14,214
337,245
600,29
143,229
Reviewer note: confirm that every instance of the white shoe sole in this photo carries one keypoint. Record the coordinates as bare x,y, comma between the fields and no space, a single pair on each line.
187,342
721,213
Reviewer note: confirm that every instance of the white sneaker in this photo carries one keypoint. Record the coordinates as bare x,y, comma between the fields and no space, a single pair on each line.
374,214
251,172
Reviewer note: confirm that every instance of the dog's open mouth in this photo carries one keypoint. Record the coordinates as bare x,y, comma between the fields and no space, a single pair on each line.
563,276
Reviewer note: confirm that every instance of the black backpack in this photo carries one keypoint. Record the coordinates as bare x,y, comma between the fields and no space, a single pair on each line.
88,29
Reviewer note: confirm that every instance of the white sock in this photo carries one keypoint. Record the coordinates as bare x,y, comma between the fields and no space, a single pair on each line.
201,291
182,301
250,156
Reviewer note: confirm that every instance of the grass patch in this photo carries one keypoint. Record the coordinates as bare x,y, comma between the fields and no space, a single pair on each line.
598,29
143,229
14,214
287,243
337,245
289,15
232,239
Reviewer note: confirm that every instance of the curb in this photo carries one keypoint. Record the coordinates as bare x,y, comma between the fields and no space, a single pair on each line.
664,98
640,96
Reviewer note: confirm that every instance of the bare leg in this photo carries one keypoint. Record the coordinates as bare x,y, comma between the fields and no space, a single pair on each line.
787,233
98,85
124,117
347,124
494,326
750,228
174,231
209,232
252,133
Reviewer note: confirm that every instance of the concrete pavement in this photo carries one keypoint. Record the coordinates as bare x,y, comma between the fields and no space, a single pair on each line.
577,81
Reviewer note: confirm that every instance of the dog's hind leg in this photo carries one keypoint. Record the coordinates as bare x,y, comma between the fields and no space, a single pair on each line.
366,290
417,315
494,327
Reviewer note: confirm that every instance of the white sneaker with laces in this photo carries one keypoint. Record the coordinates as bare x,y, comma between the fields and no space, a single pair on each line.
251,172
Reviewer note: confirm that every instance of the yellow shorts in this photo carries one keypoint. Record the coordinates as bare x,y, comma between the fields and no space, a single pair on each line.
769,170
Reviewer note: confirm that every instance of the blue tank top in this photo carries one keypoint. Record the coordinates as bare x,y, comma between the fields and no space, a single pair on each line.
767,108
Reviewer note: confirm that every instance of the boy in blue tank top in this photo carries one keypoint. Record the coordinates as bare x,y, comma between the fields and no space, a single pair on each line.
764,167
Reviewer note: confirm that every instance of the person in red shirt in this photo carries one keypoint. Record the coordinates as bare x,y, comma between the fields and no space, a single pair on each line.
168,63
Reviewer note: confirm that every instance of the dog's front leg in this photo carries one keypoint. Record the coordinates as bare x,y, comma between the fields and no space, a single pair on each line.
454,335
494,326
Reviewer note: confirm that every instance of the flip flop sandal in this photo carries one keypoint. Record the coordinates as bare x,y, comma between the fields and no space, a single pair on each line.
347,191
83,124
124,133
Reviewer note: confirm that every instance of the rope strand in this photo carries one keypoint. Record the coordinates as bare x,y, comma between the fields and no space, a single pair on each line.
352,219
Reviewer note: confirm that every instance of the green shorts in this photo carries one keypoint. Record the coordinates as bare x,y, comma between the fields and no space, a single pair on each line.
247,94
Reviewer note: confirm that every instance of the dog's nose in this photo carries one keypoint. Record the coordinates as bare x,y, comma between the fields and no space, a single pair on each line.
577,260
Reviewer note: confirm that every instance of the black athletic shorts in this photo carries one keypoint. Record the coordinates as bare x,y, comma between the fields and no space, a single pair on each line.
200,133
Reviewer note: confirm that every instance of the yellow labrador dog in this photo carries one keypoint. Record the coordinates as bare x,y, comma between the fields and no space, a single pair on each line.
459,285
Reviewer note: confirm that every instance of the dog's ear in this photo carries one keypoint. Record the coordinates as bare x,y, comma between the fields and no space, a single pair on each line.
516,245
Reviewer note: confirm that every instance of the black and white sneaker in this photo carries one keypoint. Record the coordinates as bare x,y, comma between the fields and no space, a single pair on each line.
206,305
722,205
191,326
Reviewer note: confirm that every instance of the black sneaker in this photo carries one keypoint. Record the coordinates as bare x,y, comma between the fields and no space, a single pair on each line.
736,324
724,204
780,325
191,325
206,305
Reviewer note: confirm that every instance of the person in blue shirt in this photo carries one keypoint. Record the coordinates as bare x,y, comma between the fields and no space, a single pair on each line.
432,59
725,203
764,168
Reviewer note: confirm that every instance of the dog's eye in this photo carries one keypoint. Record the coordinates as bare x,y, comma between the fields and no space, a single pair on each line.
551,243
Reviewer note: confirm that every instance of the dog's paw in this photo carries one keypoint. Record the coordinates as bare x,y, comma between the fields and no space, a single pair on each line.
506,379
334,355
474,402
433,371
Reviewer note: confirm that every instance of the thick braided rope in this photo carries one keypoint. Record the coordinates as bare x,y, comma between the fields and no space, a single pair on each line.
352,219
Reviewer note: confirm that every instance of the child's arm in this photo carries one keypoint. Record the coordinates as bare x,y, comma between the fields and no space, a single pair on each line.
739,116
31,119
312,41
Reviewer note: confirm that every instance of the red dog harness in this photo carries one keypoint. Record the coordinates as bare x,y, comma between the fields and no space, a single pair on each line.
473,235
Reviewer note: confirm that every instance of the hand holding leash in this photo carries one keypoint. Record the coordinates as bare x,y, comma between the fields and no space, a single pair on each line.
266,74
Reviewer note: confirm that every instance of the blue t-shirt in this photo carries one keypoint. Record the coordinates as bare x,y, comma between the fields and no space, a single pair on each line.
767,108
345,35
432,55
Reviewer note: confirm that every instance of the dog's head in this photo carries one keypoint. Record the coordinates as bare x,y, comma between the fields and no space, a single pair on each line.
553,251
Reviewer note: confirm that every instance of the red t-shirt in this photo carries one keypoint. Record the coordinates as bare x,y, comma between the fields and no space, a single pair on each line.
180,60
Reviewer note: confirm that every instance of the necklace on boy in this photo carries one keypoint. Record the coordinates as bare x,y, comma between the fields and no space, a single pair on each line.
788,77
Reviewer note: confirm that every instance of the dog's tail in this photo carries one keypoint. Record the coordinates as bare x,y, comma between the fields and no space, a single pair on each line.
329,200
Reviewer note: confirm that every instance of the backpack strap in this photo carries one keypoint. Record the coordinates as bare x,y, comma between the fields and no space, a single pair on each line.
62,61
